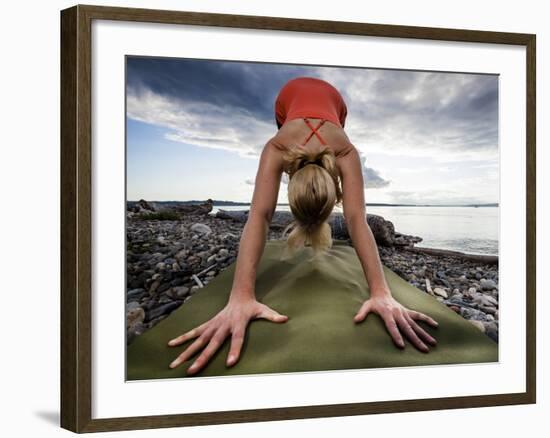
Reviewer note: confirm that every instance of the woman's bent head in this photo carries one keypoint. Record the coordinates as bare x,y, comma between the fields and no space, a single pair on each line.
313,191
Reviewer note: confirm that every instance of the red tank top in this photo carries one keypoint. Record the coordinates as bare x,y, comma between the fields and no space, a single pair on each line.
305,96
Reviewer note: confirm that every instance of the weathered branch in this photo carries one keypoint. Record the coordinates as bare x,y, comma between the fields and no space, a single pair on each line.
488,259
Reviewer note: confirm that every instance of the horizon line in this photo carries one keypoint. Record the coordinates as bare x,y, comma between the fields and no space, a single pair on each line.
243,203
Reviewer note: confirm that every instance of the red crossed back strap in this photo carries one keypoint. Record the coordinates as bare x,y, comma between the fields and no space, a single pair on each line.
314,131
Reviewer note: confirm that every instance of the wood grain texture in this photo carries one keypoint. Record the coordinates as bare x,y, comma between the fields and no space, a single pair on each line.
531,218
69,329
76,219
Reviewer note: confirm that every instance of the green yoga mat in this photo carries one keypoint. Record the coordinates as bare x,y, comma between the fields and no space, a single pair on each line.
320,295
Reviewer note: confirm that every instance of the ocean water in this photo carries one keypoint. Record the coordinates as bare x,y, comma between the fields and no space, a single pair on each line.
474,230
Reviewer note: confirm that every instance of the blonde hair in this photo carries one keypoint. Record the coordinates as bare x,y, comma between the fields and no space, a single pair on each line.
313,191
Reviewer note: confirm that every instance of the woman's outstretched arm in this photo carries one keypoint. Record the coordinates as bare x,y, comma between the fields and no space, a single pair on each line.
396,317
254,235
242,306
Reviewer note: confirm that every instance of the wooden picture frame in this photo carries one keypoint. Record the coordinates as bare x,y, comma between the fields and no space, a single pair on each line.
76,217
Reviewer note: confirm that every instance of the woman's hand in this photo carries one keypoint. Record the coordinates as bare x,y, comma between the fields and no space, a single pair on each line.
397,317
232,320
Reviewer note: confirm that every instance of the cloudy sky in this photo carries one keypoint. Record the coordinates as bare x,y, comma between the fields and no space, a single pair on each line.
195,129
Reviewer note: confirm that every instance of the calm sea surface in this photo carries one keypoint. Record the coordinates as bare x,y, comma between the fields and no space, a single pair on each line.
469,229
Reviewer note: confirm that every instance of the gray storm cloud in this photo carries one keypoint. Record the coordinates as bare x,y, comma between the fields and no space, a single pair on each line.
420,113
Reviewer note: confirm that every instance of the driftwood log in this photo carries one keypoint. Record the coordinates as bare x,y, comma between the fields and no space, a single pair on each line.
382,229
180,209
145,208
237,216
192,209
488,259
141,206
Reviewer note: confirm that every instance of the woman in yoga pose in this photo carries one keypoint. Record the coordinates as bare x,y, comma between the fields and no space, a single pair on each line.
324,170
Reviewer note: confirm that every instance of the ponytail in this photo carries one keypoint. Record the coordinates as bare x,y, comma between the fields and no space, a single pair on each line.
313,191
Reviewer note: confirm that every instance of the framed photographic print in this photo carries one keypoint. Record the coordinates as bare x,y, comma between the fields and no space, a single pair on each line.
268,218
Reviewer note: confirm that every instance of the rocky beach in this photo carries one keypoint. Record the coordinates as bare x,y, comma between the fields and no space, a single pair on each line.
174,251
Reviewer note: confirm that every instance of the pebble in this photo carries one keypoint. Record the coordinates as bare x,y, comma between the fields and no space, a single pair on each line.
487,284
488,309
134,315
478,324
485,300
201,228
165,299
134,294
429,287
211,258
163,309
180,291
154,287
491,328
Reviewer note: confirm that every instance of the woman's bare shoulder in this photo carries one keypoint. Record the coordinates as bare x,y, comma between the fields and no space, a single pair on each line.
278,142
338,140
344,149
272,154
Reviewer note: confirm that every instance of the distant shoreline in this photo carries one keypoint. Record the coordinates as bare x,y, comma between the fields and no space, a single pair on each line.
462,243
370,204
